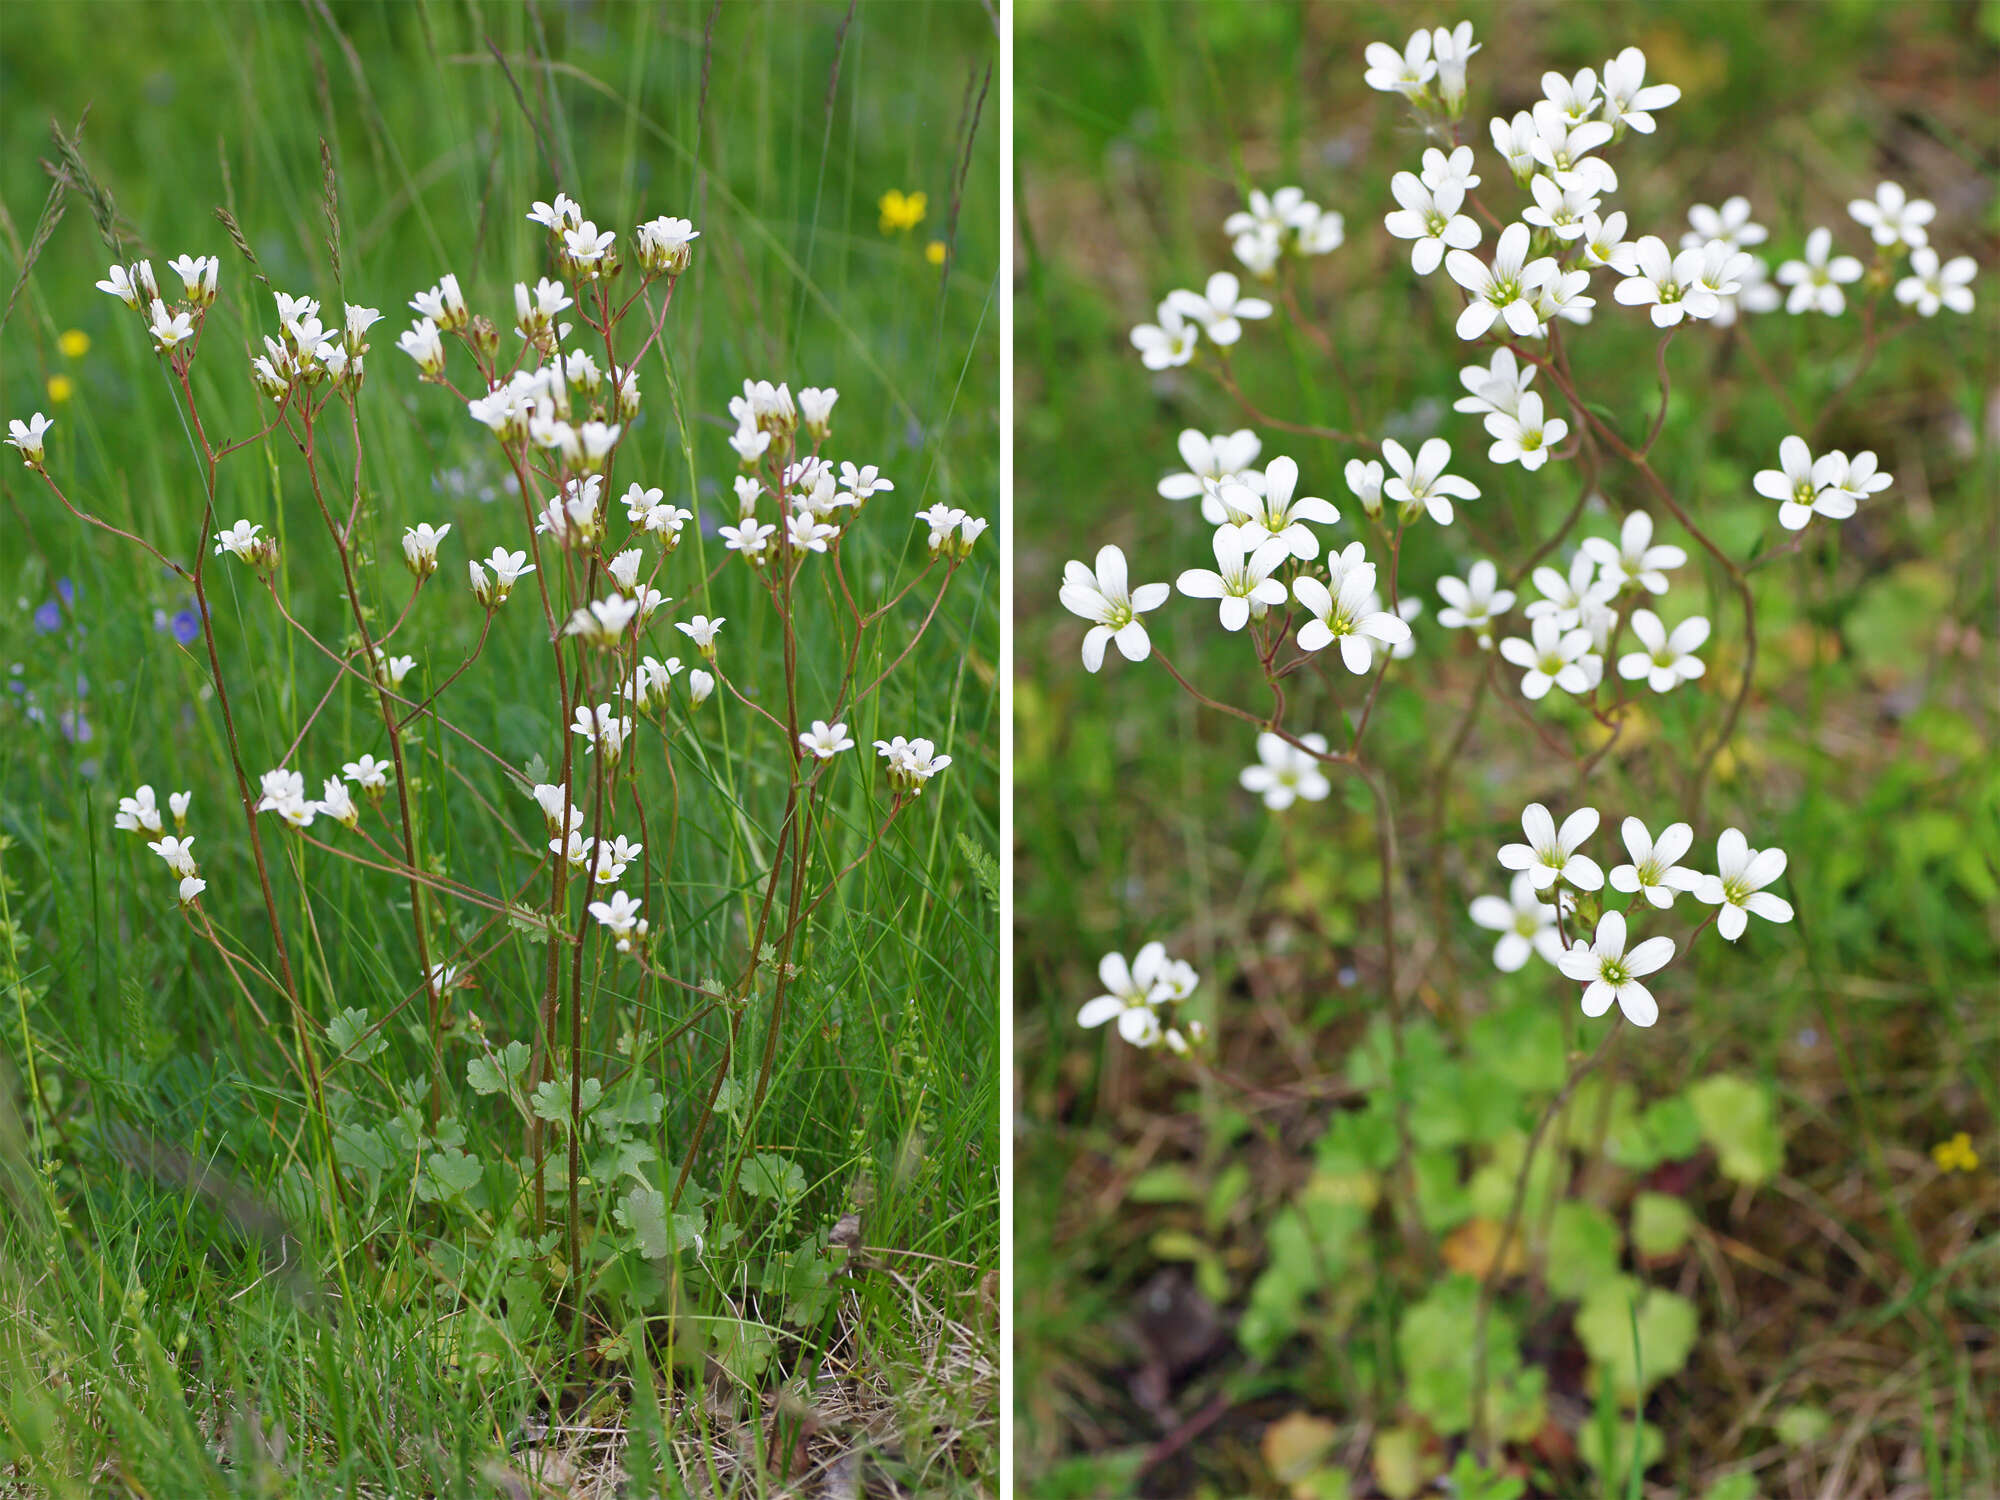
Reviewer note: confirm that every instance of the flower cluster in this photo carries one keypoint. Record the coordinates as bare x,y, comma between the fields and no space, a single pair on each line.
1136,994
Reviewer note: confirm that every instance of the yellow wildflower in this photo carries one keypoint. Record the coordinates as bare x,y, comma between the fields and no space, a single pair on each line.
1956,1154
61,388
934,252
901,211
74,343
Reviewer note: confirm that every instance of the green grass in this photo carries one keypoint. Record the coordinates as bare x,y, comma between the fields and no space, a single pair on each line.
1861,753
191,1307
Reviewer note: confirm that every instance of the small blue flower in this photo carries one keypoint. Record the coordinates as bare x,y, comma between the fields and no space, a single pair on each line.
67,590
48,619
187,627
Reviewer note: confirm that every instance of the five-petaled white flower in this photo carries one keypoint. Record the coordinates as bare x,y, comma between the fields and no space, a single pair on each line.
825,740
1219,307
27,436
751,538
1564,212
1669,285
1609,973
1738,885
1472,603
1244,561
1930,286
1405,72
1555,656
368,773
1452,47
1550,853
1893,217
1628,98
1804,484
1430,216
1816,281
1133,991
191,888
1285,773
1113,608
701,630
1633,558
1167,343
1567,596
1495,387
139,813
1563,149
1603,243
1423,481
177,852
338,804
242,542
1655,868
1455,168
1526,923
1668,660
1730,223
618,912
168,328
1266,510
420,547
1352,616
1524,436
1504,290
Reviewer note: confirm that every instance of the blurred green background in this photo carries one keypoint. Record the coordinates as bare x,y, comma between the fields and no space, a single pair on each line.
1866,750
777,128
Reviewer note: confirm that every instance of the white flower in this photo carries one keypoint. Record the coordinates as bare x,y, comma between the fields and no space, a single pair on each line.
1566,597
1473,603
1816,281
27,436
1555,657
969,531
1730,223
178,803
178,853
442,977
1219,307
139,813
619,912
624,569
1525,436
1804,484
1258,249
1564,212
443,304
1241,579
338,804
1575,97
1455,169
863,483
1930,286
1892,217
1405,72
1168,343
168,328
368,773
1609,973
1113,609
750,538
1496,387
1515,140
664,244
1754,293
700,685
1633,558
816,408
1655,867
602,727
911,762
1668,660
612,856
805,533
424,346
1423,481
701,631
242,542
1550,853
191,888
1526,924
750,444
119,283
1628,98
563,214
1563,149
1364,482
1564,295
1132,993
1604,243
1853,479
508,569
1431,217
1346,617
1278,213
1738,885
826,740
1453,48
942,520
1284,773
1210,460
1671,284
391,670
603,621
1267,511
1504,290
284,793
420,547
585,246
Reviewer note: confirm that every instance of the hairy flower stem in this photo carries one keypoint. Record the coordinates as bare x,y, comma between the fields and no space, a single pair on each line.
1482,1437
